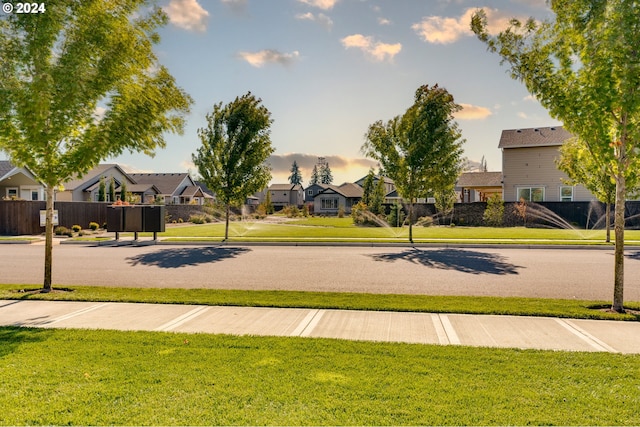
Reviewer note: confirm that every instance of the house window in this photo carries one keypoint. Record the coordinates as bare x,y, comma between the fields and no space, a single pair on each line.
12,193
310,192
329,203
34,194
531,194
566,194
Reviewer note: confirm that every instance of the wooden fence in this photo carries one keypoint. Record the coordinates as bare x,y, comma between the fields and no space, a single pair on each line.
21,217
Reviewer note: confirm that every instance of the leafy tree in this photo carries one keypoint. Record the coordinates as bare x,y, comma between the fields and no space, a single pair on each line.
235,147
377,198
445,200
81,83
112,190
420,150
582,168
494,213
367,187
315,176
123,191
296,177
102,190
268,205
584,67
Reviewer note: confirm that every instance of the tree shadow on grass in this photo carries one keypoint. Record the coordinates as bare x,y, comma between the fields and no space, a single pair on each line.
453,259
183,257
12,337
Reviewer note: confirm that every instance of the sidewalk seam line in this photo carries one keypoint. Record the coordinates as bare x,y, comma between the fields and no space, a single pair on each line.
314,318
182,319
586,336
440,332
452,336
75,314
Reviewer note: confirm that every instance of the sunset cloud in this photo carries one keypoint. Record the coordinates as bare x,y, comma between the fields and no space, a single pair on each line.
269,56
472,112
187,14
376,50
445,30
321,4
320,18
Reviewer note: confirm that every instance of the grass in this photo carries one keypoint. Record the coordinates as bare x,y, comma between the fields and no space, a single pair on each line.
331,300
71,377
342,229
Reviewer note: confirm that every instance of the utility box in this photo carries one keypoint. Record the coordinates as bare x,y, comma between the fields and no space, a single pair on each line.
153,218
115,219
135,218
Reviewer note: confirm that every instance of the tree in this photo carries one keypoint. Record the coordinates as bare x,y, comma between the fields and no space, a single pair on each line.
123,191
420,150
315,176
377,198
296,177
582,168
584,67
102,190
235,147
445,200
493,215
367,188
112,190
325,174
81,83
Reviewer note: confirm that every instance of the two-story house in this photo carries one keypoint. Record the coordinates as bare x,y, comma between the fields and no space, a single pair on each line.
529,168
286,195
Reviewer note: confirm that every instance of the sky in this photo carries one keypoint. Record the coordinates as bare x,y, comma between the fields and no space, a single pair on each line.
327,69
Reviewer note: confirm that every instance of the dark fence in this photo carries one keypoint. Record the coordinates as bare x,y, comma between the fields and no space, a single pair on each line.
21,217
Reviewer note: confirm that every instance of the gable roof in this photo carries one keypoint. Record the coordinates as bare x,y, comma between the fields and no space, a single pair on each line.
5,167
167,183
93,174
480,179
534,137
348,190
285,187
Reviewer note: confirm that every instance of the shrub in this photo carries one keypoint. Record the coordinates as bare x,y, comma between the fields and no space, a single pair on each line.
425,221
94,226
197,219
76,228
340,211
291,211
494,213
60,230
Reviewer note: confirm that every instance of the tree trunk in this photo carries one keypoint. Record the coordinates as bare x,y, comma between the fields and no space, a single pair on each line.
410,221
618,281
48,246
226,227
608,219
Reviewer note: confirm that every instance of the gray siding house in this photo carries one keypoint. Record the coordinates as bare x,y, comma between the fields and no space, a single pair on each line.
529,166
174,188
333,197
18,183
86,187
286,195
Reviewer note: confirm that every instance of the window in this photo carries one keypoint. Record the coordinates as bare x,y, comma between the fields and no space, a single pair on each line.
12,193
531,194
310,192
566,194
329,203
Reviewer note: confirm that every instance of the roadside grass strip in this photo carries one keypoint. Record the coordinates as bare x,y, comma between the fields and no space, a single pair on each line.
73,377
576,309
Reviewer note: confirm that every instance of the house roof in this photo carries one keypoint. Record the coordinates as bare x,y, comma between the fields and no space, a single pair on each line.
480,179
167,183
5,167
94,173
192,191
206,190
285,187
534,137
348,189
376,178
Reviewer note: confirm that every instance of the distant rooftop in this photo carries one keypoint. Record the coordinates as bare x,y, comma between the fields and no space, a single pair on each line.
534,137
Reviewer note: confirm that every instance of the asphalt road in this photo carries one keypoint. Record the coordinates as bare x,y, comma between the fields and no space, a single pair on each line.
551,273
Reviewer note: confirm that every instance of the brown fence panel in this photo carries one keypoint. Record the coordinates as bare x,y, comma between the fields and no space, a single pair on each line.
21,217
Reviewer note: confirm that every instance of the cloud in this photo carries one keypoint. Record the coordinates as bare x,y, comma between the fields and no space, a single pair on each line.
187,14
236,6
321,4
342,168
444,30
320,18
383,21
269,56
472,112
377,50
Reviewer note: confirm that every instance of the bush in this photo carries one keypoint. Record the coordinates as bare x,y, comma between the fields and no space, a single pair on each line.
425,221
340,211
60,230
291,211
494,213
94,226
197,219
76,228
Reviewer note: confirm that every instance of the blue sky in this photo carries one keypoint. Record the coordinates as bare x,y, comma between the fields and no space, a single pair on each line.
327,69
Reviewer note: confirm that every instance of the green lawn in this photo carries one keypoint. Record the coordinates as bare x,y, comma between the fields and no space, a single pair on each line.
71,377
331,300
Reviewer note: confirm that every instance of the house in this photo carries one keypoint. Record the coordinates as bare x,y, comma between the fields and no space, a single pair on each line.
174,188
479,186
329,200
529,169
19,183
389,185
286,195
86,187
313,190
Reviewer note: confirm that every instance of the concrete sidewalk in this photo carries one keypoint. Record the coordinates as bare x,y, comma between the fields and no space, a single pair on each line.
423,328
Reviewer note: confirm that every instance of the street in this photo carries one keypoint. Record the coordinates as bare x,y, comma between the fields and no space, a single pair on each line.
521,272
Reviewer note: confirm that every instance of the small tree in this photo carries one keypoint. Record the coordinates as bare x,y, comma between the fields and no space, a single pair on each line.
445,200
296,177
377,198
367,187
268,205
236,144
494,213
315,176
102,190
123,191
112,190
